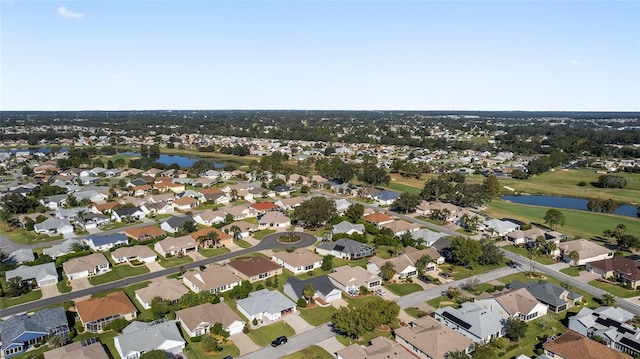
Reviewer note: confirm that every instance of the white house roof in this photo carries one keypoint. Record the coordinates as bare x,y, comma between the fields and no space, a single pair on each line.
265,301
38,272
140,337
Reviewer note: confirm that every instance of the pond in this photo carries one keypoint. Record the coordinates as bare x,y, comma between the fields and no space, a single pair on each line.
182,161
566,202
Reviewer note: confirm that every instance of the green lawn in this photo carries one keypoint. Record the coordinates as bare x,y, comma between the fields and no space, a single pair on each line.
264,335
339,262
616,290
193,350
401,187
63,287
312,352
174,261
118,272
387,252
524,252
435,302
365,339
536,330
6,302
415,312
117,225
403,288
463,272
578,223
572,271
106,338
317,315
213,251
261,234
25,237
243,244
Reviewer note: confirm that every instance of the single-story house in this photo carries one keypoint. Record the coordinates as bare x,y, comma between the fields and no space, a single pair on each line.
168,289
346,249
427,337
254,269
139,337
172,246
381,347
273,220
324,288
210,217
403,265
572,345
239,212
472,321
21,255
348,228
139,253
518,303
500,228
105,242
623,269
400,227
246,228
298,261
610,324
145,233
289,204
265,304
21,332
129,213
555,297
58,250
198,320
53,227
378,218
175,223
80,267
41,275
426,237
185,204
587,251
204,237
350,279
96,313
81,350
214,279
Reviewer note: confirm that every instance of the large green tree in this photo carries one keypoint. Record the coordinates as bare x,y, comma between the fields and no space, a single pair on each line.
354,212
554,217
314,212
492,184
515,328
465,251
406,202
374,175
388,270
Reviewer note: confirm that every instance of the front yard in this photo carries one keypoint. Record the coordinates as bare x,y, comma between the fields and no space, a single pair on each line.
264,335
460,272
614,289
317,315
212,252
542,259
402,289
6,302
174,261
118,272
312,352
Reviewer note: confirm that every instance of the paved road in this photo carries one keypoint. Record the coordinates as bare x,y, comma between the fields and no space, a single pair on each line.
268,242
295,343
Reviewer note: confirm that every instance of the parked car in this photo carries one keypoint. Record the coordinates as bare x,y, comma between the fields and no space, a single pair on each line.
445,275
203,267
425,279
380,292
278,341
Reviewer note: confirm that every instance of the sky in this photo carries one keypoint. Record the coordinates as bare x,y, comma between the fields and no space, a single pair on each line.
320,55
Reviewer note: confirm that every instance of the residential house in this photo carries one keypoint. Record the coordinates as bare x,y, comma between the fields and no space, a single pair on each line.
198,320
428,338
205,236
572,345
623,269
298,261
96,313
40,275
350,279
185,204
273,220
246,228
346,249
138,253
526,236
610,324
141,191
403,265
214,279
168,289
175,223
54,202
210,217
587,251
53,227
386,197
140,337
500,228
153,209
555,297
86,349
127,214
265,304
166,186
80,267
260,208
162,198
254,269
348,228
380,348
173,246
426,237
443,245
144,233
324,289
342,205
105,242
400,227
63,248
289,204
518,303
21,332
92,221
217,198
239,212
447,211
472,321
103,208
21,255
415,255
378,218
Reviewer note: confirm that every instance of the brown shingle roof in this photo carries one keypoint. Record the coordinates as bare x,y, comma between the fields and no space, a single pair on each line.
209,313
433,337
97,308
572,345
378,217
251,266
628,267
144,232
204,231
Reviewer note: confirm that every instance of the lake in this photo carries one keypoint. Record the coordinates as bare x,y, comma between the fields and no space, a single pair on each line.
182,161
566,202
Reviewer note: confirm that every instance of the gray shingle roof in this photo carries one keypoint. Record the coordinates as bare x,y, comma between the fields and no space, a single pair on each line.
546,292
43,321
143,337
265,301
114,238
38,272
321,284
349,246
475,319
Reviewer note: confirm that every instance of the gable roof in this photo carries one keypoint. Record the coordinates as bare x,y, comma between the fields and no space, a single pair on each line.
572,345
212,277
178,221
585,248
141,251
98,308
38,272
517,301
348,246
299,257
380,348
113,238
546,292
345,227
433,337
170,289
139,337
274,217
41,322
348,276
85,263
204,231
78,350
263,206
321,284
473,318
378,217
143,232
400,226
252,266
265,301
625,266
208,313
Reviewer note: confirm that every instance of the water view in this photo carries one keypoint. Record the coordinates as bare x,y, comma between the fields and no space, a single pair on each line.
566,202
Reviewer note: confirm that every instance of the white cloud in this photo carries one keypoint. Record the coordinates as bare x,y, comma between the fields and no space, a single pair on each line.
64,12
576,63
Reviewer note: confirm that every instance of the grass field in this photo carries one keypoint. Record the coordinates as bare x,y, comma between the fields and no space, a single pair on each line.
572,271
317,315
174,262
312,352
25,237
616,290
523,252
6,302
118,272
578,223
403,288
415,312
264,335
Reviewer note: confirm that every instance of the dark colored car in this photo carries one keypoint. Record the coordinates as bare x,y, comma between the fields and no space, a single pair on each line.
203,267
424,278
278,341
445,275
228,357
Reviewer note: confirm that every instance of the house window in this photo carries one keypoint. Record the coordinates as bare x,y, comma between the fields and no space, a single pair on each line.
263,275
309,267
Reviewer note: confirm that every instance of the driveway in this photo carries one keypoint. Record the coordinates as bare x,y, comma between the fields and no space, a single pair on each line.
339,303
244,343
154,266
297,323
331,345
196,256
80,283
49,291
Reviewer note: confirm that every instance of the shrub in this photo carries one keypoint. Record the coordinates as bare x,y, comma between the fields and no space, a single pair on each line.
311,273
254,321
259,286
197,339
582,183
301,302
245,329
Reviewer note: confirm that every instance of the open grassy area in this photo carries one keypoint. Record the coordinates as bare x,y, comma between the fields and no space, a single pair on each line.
578,223
317,315
264,335
572,271
63,286
263,233
118,272
6,302
25,237
213,251
403,288
415,312
460,272
174,261
536,330
616,290
442,301
243,244
542,259
312,352
401,187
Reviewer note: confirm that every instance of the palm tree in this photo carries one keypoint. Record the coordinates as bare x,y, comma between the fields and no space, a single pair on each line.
608,300
388,270
234,194
308,292
457,354
575,257
56,341
77,246
534,251
237,233
210,239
